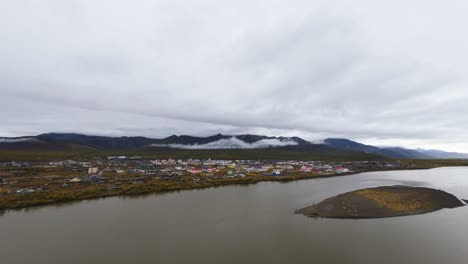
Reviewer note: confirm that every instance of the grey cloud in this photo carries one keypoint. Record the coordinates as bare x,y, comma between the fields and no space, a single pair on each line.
155,68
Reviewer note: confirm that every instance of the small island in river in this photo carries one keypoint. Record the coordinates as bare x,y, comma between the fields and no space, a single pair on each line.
379,202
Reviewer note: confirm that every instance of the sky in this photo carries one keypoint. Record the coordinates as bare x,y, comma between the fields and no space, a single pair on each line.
388,73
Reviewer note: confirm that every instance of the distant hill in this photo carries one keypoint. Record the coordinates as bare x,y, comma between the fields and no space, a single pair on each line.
391,152
403,153
219,141
443,154
332,146
346,144
55,146
94,142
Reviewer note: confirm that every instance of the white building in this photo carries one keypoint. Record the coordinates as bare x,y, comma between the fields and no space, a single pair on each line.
92,170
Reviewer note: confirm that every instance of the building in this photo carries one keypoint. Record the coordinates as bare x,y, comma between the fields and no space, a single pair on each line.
75,180
194,171
92,170
276,172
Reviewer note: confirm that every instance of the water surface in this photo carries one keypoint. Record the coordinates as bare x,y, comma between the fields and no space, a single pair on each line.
240,224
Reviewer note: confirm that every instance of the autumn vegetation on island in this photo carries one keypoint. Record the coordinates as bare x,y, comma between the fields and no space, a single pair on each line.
384,201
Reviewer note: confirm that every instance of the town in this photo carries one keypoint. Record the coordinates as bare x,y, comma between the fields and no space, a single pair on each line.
24,184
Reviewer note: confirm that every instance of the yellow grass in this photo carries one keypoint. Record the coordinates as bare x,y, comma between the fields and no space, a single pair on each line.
401,201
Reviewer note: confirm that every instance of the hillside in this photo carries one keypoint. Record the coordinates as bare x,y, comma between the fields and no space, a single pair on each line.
219,146
394,152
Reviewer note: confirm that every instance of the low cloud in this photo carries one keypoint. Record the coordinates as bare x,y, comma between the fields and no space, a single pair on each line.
16,140
233,143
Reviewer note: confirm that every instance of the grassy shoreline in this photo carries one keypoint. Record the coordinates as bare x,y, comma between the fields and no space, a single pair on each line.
17,202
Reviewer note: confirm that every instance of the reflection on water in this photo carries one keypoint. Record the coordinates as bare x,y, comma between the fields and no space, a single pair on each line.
240,224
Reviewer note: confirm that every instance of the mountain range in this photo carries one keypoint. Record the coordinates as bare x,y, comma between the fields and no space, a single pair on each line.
65,141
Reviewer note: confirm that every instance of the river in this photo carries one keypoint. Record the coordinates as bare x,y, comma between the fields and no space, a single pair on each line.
240,224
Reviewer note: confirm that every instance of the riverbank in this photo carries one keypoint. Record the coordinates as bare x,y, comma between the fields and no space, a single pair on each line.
12,202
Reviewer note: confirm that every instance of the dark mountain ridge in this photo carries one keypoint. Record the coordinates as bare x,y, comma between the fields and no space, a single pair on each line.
393,152
67,141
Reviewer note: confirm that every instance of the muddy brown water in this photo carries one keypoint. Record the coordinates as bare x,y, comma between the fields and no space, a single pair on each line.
240,224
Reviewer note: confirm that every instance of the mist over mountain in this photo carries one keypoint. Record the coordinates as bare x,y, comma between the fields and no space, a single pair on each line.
234,143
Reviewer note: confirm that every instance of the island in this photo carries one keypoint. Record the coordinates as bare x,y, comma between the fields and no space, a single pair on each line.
380,202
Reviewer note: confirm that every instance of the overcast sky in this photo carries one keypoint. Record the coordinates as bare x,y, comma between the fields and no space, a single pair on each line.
380,72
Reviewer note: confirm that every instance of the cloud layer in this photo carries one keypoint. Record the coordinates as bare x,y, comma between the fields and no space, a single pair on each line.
233,143
15,140
313,69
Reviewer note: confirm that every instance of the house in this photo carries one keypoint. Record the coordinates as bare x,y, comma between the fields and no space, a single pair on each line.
92,170
305,169
75,180
340,169
194,171
276,172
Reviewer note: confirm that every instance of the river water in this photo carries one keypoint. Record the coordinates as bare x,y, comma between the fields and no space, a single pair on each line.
240,224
